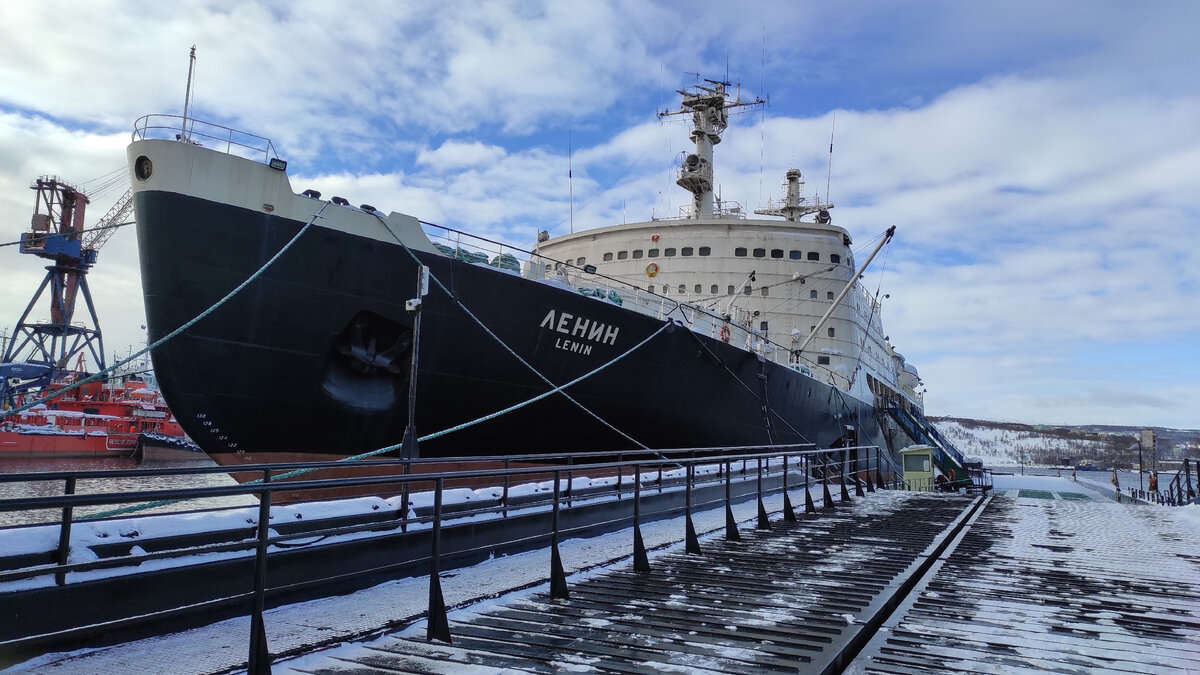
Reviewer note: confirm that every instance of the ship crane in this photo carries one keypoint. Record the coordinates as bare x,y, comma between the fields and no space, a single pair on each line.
40,352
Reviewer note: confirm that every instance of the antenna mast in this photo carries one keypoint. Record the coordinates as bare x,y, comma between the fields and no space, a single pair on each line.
187,95
571,180
709,108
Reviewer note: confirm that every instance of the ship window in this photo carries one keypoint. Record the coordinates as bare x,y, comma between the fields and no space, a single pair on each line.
730,289
581,261
776,253
650,288
699,289
812,329
668,252
762,326
835,258
740,252
687,250
683,288
796,255
828,295
812,294
760,252
746,289
813,255
822,360
713,290
607,257
652,253
621,255
705,250
831,331
637,253
558,266
766,290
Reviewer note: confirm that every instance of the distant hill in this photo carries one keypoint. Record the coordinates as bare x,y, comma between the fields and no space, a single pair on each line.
1008,443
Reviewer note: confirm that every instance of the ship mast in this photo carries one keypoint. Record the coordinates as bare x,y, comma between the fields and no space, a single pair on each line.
709,109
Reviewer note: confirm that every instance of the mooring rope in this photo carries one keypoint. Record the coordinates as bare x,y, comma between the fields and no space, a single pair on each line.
557,389
100,375
501,342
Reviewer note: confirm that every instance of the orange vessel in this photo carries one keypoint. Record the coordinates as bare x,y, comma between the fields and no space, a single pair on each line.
95,420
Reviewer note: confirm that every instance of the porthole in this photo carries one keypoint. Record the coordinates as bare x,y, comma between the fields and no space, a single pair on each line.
143,168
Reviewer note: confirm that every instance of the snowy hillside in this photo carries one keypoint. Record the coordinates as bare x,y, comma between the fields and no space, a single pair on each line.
1001,443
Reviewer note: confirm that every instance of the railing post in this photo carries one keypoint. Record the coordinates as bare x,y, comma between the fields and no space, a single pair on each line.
641,563
260,654
842,475
809,507
789,513
825,484
438,626
763,522
504,497
620,474
64,534
731,530
693,542
879,467
858,488
405,469
558,578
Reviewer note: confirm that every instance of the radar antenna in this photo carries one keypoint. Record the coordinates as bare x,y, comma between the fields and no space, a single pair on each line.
710,108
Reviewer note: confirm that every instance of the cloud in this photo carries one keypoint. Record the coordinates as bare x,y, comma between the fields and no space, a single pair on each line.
1039,161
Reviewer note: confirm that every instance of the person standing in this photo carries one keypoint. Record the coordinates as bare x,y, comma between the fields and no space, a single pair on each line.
1116,485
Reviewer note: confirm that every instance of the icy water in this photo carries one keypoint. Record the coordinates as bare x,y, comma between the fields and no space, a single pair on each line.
104,485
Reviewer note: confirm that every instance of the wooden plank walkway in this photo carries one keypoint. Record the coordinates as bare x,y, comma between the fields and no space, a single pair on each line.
1053,585
791,597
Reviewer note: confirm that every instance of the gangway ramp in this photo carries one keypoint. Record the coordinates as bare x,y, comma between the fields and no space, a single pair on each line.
801,595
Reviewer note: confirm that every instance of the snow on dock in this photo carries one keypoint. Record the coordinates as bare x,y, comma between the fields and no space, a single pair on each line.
1048,576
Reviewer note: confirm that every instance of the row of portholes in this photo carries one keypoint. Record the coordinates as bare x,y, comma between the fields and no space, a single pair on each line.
714,289
654,253
792,255
740,252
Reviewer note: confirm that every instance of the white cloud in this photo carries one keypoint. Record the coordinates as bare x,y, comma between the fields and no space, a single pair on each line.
1040,162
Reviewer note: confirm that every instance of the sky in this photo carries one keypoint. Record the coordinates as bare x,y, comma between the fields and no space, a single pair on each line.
1040,161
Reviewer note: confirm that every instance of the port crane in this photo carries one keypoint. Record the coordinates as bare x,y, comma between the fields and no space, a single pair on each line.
39,352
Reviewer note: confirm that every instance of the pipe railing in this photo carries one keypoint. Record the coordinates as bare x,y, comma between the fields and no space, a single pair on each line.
678,470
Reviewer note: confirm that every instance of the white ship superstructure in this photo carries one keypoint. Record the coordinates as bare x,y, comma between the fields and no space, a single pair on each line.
766,284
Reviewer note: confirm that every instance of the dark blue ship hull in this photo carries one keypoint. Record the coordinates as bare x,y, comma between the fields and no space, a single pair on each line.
314,355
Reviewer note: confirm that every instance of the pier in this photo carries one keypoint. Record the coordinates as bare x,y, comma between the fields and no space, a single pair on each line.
1021,579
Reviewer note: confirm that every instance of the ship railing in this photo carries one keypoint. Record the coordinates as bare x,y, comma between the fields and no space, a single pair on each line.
584,277
206,134
534,500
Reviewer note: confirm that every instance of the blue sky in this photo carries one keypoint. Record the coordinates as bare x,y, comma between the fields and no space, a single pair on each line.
1040,160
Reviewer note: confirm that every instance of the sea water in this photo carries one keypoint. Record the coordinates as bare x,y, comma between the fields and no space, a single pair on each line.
11,490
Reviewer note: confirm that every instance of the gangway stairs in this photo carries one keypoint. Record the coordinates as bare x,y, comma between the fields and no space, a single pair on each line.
947,457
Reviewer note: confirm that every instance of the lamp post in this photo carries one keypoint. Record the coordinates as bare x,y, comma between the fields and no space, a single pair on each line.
408,448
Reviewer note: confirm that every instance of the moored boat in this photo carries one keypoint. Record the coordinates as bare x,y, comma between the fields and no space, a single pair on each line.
708,330
95,420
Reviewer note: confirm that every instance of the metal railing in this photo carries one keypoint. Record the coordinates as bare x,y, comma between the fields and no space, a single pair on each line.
700,475
1181,490
699,318
207,134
